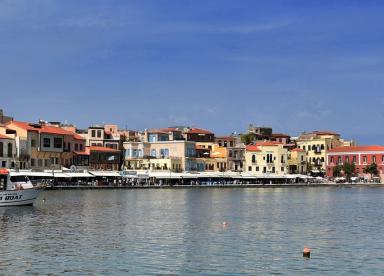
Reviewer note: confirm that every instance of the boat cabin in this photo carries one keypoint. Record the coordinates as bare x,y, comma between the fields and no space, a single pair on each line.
13,181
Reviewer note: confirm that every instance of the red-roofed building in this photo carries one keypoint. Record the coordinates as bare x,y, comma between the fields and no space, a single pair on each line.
45,146
266,157
317,144
199,135
361,156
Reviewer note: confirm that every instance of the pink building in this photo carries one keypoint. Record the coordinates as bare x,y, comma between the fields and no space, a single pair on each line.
361,156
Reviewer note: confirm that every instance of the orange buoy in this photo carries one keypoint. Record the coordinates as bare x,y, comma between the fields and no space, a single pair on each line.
306,252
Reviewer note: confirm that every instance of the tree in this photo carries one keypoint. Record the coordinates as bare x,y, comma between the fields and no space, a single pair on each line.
246,138
337,171
372,169
349,170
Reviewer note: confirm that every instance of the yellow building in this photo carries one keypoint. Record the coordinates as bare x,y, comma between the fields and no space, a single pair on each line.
317,144
216,161
297,161
266,158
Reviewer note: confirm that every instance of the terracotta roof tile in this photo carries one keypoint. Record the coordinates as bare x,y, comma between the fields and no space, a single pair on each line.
268,144
357,149
196,130
252,148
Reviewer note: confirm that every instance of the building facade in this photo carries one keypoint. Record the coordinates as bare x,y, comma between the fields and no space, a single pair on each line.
7,152
317,144
360,156
266,158
42,146
297,163
160,155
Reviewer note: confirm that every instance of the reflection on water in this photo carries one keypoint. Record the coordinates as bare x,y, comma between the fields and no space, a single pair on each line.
143,232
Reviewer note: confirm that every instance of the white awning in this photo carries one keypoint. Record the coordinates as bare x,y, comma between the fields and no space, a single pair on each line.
105,173
79,174
61,175
32,174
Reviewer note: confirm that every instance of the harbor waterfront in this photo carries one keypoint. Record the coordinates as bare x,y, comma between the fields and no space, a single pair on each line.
181,231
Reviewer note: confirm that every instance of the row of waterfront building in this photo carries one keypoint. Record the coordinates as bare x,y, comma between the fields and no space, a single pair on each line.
46,145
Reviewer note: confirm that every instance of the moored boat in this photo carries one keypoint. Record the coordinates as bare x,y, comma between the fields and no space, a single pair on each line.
16,189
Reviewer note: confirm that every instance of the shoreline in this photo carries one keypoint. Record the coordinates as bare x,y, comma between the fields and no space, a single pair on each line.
227,186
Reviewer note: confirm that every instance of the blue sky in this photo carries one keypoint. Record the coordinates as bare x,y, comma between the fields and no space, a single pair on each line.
218,64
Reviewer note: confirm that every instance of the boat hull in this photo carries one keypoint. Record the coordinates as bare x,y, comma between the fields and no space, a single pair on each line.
18,198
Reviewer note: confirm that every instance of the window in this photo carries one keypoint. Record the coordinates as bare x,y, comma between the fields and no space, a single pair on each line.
1,149
253,158
164,153
354,159
46,143
3,164
153,153
58,143
322,147
81,147
249,168
257,169
33,162
282,159
304,148
373,159
382,158
93,133
99,134
10,150
76,147
40,162
282,169
46,163
332,159
33,143
365,159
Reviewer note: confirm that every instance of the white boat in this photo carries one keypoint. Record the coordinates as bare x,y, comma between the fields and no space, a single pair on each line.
16,189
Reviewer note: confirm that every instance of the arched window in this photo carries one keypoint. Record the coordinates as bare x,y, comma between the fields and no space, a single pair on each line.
1,149
10,150
322,147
